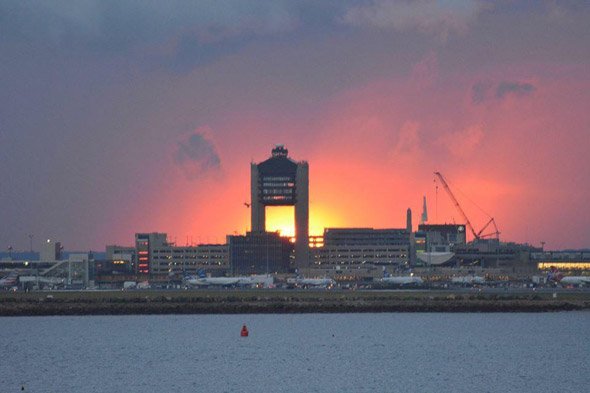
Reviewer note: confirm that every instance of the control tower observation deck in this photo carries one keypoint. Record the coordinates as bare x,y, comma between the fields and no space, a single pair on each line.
280,181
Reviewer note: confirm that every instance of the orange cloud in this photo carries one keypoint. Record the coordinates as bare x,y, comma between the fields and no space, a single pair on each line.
465,142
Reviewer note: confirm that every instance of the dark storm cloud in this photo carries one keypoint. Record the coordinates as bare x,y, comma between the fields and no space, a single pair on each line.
485,90
196,155
183,33
439,18
516,88
190,53
174,35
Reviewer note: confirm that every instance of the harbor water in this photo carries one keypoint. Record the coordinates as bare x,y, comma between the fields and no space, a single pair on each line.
389,352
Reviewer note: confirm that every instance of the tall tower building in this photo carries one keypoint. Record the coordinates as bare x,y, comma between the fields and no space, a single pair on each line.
281,181
145,243
51,251
409,229
424,218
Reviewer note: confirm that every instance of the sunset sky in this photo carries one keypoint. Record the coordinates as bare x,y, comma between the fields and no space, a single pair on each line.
119,117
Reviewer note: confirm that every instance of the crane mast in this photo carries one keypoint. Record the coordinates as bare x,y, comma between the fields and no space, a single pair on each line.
476,236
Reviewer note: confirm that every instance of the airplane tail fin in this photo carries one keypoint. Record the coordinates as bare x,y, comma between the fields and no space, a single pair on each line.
10,280
554,274
201,273
385,274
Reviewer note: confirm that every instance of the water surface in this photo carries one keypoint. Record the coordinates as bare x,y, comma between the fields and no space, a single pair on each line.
389,352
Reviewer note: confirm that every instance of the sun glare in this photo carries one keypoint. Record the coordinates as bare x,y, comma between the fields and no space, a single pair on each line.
282,219
321,218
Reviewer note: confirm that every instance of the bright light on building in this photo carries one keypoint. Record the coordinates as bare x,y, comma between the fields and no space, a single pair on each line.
564,265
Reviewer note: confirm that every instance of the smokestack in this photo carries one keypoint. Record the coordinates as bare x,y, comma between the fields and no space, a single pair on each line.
409,220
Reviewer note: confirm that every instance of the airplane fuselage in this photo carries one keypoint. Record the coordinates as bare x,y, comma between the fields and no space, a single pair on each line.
312,282
468,280
206,281
575,280
403,280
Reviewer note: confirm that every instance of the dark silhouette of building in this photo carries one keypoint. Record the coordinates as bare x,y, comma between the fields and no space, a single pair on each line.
443,234
365,236
280,181
350,249
259,253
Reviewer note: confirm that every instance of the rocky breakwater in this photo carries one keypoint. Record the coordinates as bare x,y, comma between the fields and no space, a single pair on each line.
235,301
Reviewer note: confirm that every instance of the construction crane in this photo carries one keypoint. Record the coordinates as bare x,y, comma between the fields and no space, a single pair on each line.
476,235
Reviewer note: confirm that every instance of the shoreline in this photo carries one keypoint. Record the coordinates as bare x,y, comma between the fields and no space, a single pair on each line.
281,302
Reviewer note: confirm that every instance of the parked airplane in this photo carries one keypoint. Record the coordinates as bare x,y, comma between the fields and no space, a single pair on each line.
325,282
143,285
202,280
9,281
260,280
129,285
575,280
401,280
468,280
556,276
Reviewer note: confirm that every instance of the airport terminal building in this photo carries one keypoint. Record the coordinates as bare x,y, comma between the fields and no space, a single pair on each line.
362,252
153,255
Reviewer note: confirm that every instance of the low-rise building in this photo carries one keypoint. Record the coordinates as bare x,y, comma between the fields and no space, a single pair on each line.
490,253
575,262
357,253
260,253
154,256
171,259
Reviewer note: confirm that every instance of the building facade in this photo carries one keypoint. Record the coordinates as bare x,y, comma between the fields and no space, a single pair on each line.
491,253
50,251
259,253
365,236
362,251
145,243
572,262
439,237
153,255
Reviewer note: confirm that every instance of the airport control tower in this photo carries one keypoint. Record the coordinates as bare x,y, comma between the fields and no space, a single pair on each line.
280,181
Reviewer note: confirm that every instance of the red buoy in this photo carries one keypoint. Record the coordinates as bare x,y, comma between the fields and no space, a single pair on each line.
244,332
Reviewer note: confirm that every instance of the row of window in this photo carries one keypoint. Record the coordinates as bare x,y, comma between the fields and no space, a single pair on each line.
277,191
357,262
276,198
366,256
278,184
276,178
188,257
191,251
211,263
330,249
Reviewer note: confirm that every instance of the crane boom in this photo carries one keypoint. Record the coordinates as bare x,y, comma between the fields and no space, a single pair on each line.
495,233
456,203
